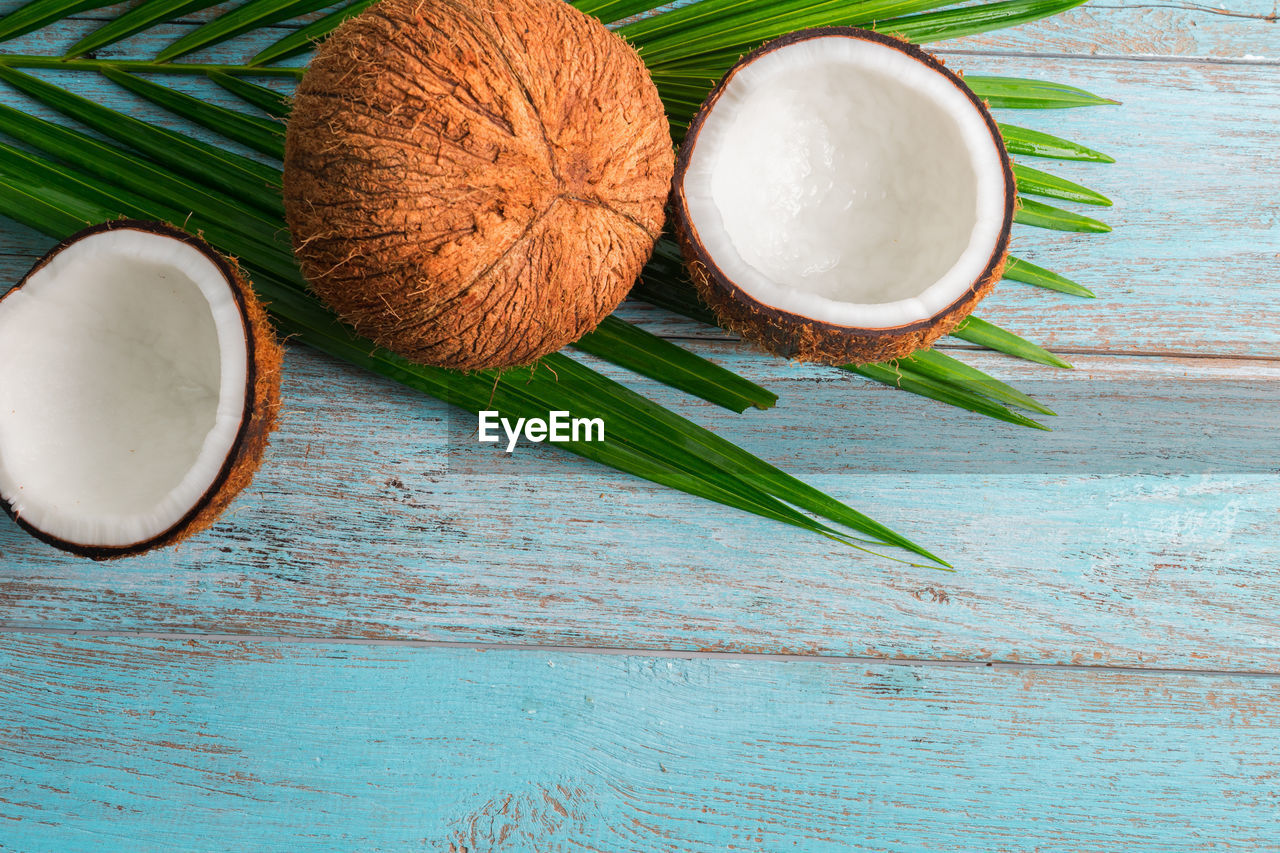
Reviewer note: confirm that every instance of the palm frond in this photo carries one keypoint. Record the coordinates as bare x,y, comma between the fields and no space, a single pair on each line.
647,440
904,375
1020,93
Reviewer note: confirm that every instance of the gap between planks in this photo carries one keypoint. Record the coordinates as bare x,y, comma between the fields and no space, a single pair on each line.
626,651
1181,59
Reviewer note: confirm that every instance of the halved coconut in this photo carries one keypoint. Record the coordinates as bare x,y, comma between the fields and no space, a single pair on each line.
141,379
843,197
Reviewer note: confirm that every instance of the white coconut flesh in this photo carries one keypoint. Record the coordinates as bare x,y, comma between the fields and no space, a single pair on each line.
123,387
840,179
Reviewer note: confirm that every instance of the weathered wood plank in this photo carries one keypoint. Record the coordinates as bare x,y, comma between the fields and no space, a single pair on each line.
158,745
1242,30
1141,533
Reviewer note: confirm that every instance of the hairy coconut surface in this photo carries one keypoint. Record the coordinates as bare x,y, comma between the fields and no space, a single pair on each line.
475,183
142,381
843,197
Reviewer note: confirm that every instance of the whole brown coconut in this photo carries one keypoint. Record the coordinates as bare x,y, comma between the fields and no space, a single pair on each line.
475,184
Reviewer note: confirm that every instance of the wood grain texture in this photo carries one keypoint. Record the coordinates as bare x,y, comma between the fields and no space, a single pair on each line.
157,745
1143,533
1238,30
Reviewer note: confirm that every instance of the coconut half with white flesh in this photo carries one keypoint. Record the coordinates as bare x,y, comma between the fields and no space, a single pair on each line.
141,380
843,197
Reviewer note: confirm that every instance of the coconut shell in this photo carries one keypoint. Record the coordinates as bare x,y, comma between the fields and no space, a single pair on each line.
261,402
475,183
805,338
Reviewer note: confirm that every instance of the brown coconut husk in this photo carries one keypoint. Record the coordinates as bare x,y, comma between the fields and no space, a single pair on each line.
261,406
805,338
475,183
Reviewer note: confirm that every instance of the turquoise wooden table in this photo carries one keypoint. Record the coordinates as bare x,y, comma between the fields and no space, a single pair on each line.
397,640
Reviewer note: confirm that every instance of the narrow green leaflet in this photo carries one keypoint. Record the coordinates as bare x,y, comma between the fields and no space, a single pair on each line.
1031,212
251,16
676,366
261,135
933,362
991,336
614,10
1017,93
269,101
304,39
1024,271
41,13
143,66
142,17
1033,143
1035,182
901,375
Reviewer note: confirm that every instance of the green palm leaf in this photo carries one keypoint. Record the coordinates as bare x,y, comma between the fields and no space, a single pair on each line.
674,366
657,444
614,10
903,375
935,363
972,20
230,173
